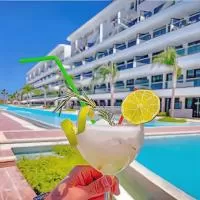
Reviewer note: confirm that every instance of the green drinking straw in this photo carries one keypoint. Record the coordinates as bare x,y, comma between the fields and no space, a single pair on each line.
68,80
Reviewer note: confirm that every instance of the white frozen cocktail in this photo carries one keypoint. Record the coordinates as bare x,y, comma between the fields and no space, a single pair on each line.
110,149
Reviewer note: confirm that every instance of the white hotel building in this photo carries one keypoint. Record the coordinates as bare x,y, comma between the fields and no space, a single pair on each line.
47,74
129,33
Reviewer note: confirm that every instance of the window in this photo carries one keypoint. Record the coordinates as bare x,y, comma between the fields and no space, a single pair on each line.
180,50
120,46
197,72
89,59
119,84
143,59
131,43
193,43
160,31
188,103
177,104
158,8
191,73
87,74
130,82
110,51
102,86
77,77
157,78
118,102
157,53
121,66
129,64
194,47
145,36
141,80
169,77
132,5
194,17
77,64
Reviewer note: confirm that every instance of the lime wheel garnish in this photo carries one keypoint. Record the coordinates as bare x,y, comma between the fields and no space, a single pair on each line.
140,106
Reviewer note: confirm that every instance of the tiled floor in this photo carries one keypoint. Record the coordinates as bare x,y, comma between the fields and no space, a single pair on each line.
13,185
7,124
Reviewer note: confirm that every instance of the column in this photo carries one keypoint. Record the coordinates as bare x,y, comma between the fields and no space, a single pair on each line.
163,105
81,77
164,80
101,33
149,78
150,55
114,49
119,17
134,62
185,46
124,84
182,100
184,72
138,39
76,44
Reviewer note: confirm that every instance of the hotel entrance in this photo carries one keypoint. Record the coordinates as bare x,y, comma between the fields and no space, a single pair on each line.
194,104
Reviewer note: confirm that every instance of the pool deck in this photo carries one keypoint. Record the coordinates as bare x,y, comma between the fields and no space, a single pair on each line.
13,130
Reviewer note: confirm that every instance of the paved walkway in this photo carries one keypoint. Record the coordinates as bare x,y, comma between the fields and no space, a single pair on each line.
13,186
14,130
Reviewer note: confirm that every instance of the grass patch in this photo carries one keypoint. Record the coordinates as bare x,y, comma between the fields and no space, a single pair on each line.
162,114
171,119
44,173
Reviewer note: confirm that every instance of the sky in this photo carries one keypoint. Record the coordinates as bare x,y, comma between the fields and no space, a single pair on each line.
31,29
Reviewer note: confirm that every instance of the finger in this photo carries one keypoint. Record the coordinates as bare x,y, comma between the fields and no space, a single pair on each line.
99,187
83,175
115,187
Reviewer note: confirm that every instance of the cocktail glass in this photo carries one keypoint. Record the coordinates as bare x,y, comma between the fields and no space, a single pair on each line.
110,149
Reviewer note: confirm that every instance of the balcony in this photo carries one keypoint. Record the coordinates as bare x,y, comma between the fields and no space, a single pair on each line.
47,81
156,44
153,22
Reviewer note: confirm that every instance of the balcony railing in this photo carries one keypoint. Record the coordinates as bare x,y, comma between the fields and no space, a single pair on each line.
159,32
125,23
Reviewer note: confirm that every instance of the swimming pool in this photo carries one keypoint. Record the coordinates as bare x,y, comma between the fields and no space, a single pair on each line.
44,116
53,119
175,159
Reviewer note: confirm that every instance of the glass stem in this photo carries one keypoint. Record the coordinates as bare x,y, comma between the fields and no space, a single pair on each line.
108,196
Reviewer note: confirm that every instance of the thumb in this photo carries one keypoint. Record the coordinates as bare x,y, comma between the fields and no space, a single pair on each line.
102,185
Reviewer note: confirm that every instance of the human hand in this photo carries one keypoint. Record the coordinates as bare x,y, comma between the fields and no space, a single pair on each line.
84,183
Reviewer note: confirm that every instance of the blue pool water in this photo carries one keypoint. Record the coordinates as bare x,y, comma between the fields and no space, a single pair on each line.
54,119
44,116
175,159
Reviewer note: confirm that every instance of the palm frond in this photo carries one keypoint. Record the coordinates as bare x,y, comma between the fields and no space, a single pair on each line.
178,71
168,57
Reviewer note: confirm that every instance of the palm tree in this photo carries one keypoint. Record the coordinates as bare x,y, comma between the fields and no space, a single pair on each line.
12,97
4,93
169,59
45,89
107,72
28,90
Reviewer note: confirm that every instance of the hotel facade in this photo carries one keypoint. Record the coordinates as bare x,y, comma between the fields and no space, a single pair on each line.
130,33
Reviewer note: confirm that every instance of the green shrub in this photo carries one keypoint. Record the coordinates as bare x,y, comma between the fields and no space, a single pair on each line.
171,119
44,173
162,114
66,150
